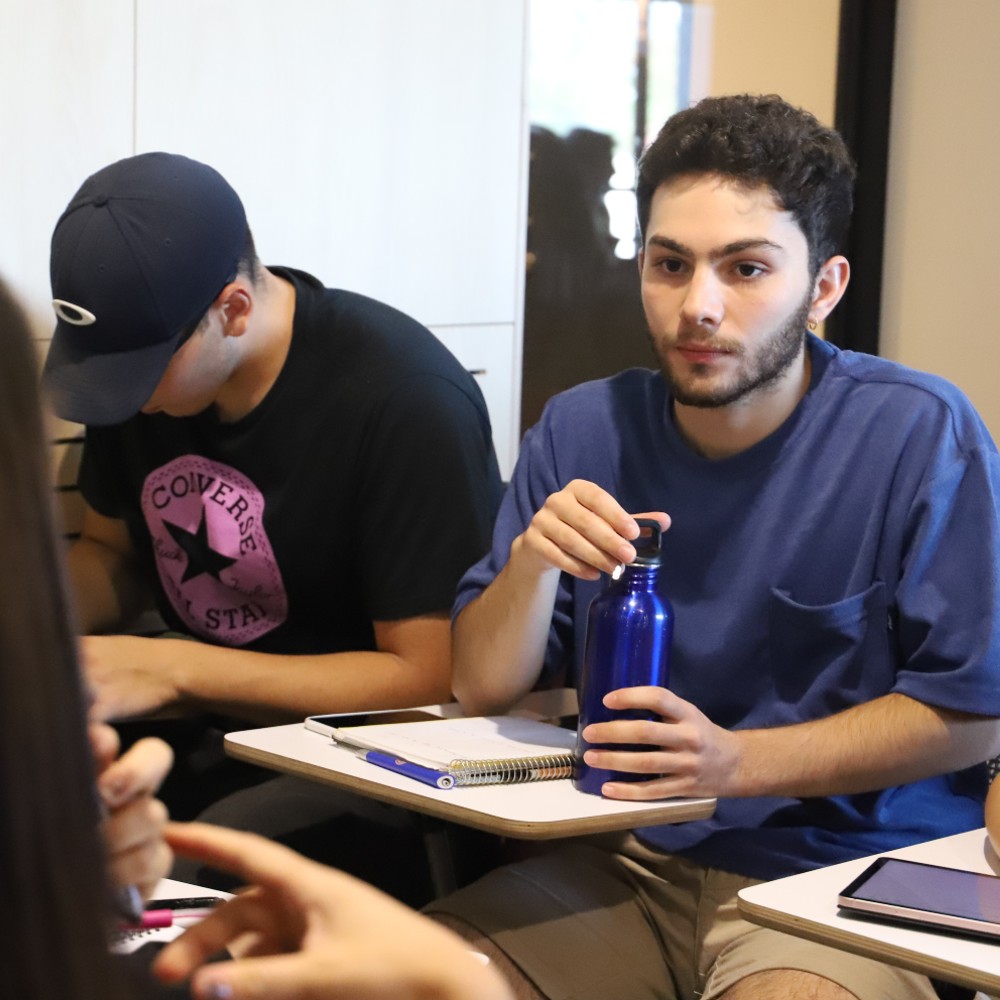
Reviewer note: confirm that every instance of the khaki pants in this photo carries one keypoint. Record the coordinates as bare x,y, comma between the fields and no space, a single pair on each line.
609,919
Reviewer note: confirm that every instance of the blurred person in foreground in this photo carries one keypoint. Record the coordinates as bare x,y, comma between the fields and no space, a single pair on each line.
66,850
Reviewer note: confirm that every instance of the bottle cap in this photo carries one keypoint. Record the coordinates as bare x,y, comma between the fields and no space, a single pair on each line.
647,545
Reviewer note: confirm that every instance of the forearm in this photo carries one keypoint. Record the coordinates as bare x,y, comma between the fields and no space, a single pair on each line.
882,743
270,688
889,741
107,589
500,638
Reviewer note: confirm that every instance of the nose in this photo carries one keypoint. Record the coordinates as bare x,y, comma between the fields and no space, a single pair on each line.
703,305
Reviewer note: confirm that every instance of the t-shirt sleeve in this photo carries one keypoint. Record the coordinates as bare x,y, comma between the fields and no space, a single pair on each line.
948,598
427,496
534,479
102,487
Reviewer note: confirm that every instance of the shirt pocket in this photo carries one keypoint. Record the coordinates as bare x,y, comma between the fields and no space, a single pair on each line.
826,657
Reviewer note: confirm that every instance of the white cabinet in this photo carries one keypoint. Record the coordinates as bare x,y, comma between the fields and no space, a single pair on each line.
379,144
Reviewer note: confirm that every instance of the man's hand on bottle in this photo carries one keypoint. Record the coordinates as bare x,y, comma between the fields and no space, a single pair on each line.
691,756
581,530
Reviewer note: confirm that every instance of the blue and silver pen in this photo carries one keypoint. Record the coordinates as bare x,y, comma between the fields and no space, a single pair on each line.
428,775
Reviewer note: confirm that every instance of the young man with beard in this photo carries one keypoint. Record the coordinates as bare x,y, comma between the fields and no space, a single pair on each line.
833,558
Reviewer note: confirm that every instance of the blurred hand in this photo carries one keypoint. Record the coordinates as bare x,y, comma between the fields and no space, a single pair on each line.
133,829
309,932
129,676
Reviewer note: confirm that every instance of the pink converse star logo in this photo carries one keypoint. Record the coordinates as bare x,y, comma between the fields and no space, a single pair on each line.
213,556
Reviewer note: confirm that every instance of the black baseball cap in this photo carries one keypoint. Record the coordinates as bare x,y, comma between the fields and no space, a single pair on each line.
141,252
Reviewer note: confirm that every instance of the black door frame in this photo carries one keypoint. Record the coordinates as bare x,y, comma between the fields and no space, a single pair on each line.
865,55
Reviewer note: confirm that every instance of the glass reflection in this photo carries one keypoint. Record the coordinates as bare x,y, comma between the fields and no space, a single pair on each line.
604,75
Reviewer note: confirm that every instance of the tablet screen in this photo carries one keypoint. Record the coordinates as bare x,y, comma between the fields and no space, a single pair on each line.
909,889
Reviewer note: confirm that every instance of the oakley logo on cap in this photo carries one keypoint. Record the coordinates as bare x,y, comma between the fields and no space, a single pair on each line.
70,313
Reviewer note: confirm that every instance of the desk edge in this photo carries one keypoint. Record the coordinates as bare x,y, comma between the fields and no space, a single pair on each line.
837,937
671,811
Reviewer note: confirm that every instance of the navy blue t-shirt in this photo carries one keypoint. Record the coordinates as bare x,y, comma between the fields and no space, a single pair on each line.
852,553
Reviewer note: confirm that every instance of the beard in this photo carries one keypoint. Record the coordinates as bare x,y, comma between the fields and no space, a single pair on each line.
760,367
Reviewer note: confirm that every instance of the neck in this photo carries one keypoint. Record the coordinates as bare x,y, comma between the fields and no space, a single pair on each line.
264,349
724,431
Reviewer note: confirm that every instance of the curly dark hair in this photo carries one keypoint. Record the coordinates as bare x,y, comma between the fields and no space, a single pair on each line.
757,140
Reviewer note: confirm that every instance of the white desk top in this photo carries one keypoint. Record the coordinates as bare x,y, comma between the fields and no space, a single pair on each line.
531,811
806,905
170,888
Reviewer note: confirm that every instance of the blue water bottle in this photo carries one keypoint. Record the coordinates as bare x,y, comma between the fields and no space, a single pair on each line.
629,630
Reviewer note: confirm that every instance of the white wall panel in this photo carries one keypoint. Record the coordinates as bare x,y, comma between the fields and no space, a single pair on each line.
66,79
376,143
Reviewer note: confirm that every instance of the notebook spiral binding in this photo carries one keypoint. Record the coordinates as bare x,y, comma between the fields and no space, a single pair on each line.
122,941
511,770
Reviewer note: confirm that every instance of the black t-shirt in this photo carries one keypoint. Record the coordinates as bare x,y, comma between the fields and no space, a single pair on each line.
360,488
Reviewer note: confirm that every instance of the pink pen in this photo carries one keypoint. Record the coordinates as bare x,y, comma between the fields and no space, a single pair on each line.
152,919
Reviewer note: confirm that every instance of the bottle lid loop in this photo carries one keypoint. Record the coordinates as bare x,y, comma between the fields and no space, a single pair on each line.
647,545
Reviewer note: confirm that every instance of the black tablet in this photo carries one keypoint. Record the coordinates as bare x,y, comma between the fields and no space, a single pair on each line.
928,895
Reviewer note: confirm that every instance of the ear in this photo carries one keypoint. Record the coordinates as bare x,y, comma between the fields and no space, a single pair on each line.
831,282
235,304
640,258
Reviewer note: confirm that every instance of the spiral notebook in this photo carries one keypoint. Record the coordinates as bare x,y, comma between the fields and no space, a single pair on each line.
483,750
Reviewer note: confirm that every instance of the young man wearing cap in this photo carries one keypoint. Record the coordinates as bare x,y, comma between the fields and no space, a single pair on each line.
833,559
297,475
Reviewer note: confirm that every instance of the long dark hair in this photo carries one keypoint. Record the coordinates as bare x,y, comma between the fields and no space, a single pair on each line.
52,882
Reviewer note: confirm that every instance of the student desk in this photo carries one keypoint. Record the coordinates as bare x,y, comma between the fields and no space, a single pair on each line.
806,905
538,810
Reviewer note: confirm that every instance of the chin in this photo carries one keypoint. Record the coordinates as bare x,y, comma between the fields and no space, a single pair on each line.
701,393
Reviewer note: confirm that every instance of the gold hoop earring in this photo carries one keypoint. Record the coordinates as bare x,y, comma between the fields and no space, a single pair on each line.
811,324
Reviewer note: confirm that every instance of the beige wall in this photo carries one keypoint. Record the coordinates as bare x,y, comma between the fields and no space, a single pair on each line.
786,47
942,211
943,214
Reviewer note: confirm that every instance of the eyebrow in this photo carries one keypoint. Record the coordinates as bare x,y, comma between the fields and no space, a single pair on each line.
719,253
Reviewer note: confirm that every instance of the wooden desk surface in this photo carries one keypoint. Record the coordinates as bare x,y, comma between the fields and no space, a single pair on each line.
806,905
539,810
